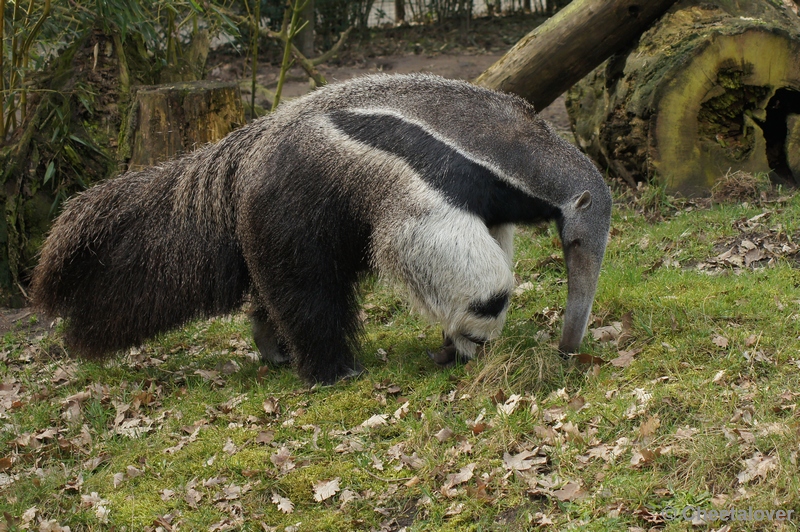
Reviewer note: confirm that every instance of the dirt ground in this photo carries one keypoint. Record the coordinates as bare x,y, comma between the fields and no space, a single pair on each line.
446,52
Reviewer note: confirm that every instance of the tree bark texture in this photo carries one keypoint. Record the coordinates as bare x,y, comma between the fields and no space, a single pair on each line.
557,54
710,88
175,118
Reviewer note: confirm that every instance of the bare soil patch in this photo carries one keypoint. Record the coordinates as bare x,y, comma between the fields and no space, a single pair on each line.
444,51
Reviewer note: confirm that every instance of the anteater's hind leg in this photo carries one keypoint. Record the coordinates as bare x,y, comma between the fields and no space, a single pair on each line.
309,287
320,324
272,348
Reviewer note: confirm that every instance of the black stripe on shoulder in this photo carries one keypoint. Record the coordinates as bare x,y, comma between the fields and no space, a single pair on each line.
466,185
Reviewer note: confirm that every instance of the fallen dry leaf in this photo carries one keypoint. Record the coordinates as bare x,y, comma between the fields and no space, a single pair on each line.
686,433
720,341
576,403
29,515
346,496
282,460
413,481
608,333
232,492
229,447
648,428
509,405
64,374
480,492
642,456
413,462
523,461
757,466
454,509
570,492
326,489
601,451
523,287
443,435
265,437
401,412
375,421
284,505
463,475
192,497
271,407
546,434
208,375
571,432
642,401
625,358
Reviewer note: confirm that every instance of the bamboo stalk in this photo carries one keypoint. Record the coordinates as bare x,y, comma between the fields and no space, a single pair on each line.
2,73
26,48
124,73
290,31
254,60
11,123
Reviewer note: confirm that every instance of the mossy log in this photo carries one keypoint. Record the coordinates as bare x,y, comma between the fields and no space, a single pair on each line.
568,46
175,118
708,89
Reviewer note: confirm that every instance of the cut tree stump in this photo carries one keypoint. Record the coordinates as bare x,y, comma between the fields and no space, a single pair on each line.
708,89
568,46
175,118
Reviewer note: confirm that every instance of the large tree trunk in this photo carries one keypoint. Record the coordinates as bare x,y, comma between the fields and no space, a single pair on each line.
554,56
178,117
708,89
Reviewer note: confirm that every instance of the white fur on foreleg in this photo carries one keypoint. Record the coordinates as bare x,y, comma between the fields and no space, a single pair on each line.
456,273
504,235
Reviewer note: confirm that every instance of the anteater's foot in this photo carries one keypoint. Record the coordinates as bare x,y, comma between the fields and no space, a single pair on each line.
342,372
447,355
273,350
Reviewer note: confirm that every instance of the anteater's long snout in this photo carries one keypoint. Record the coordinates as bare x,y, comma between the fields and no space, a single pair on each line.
583,271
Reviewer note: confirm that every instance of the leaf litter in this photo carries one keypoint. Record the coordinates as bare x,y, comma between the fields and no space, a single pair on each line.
553,439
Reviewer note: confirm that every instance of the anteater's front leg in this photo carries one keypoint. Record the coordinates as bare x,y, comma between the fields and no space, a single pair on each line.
458,273
447,354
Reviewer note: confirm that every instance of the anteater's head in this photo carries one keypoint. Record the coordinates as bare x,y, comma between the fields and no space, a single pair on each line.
583,225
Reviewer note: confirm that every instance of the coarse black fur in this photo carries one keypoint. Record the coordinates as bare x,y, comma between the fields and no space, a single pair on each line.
492,306
416,177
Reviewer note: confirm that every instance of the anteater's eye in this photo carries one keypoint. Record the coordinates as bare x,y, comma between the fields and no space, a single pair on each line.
576,242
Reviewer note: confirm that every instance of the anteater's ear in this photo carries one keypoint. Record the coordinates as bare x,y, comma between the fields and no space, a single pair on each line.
584,201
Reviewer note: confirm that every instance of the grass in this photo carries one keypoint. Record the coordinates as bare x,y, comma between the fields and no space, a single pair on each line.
174,435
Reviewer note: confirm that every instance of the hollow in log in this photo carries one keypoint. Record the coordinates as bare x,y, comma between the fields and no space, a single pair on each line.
707,90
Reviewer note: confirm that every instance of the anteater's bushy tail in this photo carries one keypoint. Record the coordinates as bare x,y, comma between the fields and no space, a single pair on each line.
145,252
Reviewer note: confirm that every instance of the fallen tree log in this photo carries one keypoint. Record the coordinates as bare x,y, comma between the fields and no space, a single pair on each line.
568,46
708,89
